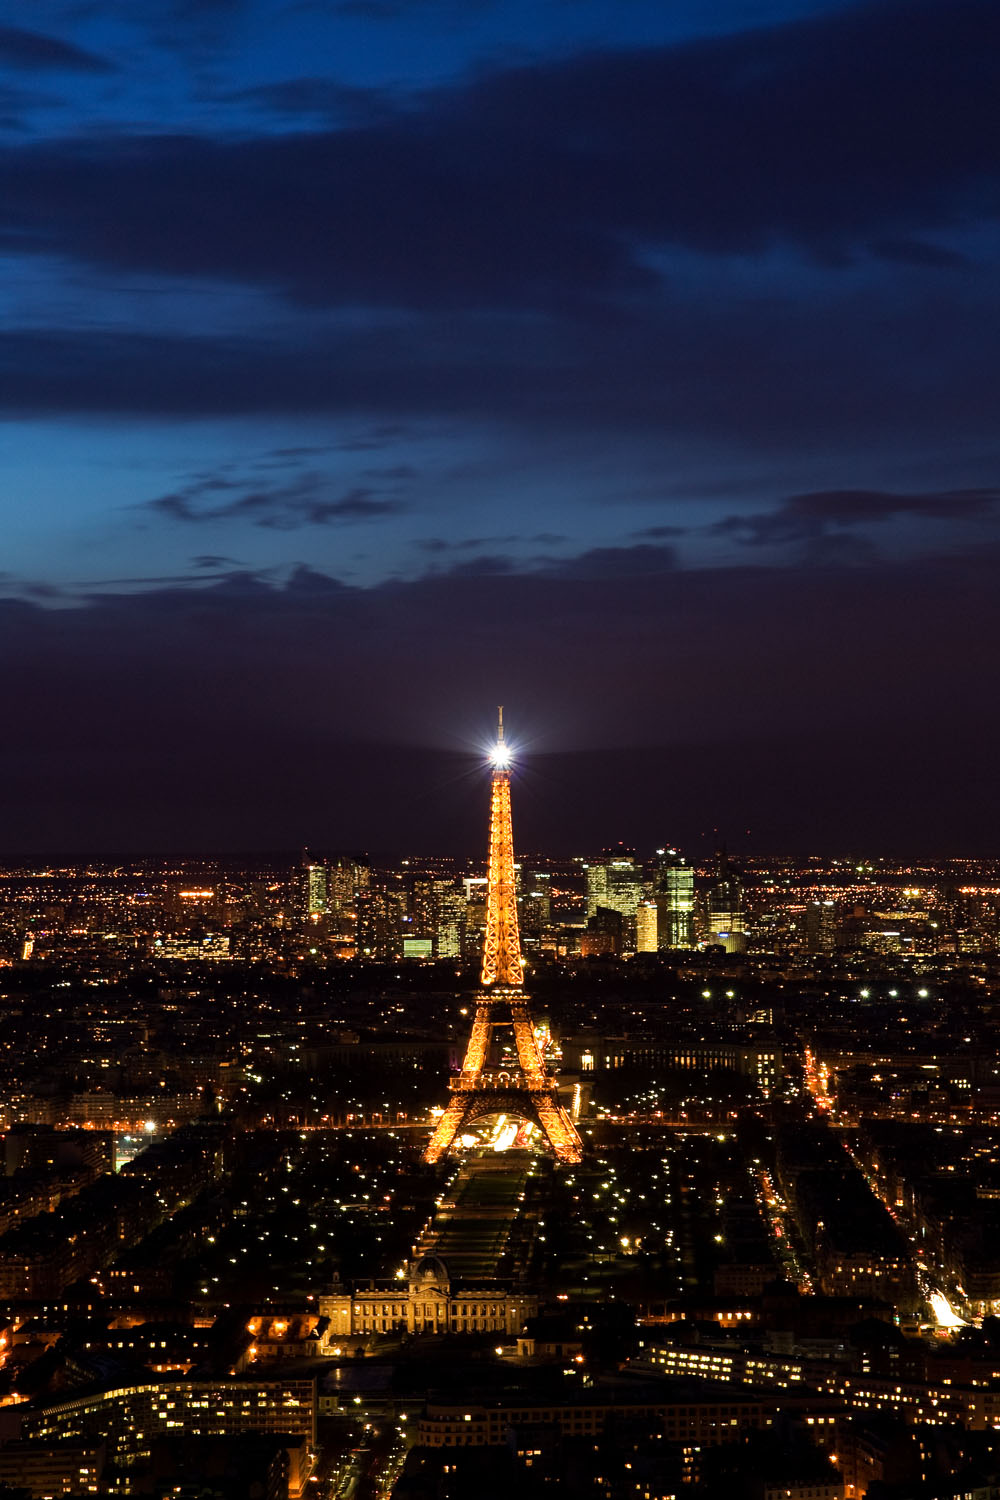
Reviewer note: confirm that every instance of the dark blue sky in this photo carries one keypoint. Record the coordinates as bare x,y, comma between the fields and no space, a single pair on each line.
364,364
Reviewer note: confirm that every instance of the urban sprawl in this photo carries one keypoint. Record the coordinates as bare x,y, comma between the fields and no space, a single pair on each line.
715,1213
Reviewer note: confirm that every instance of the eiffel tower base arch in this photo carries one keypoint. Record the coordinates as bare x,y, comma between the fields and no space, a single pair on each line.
540,1106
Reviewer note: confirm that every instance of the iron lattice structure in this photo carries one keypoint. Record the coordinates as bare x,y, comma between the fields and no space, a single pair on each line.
526,1089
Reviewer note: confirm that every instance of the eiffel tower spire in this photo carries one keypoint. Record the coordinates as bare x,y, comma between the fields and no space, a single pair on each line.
502,947
527,1088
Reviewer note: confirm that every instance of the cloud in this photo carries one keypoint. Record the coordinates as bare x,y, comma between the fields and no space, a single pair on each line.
16,104
661,533
595,563
213,560
912,252
808,517
485,564
32,52
393,472
312,98
439,544
383,435
617,562
221,575
711,364
309,499
551,182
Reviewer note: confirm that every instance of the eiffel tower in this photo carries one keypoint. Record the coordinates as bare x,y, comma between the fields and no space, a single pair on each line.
527,1088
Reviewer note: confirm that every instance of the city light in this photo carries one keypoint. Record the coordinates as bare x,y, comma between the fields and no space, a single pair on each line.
945,1315
722,1150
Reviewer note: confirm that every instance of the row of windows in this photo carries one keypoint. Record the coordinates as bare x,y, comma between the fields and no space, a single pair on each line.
429,1309
458,1325
601,1413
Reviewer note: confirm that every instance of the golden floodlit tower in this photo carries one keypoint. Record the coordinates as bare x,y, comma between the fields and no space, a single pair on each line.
526,1089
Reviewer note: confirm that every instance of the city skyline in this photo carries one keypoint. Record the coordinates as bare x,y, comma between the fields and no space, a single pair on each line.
367,364
613,1175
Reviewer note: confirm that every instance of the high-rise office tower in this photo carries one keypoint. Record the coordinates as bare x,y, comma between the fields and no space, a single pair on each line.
820,926
645,927
536,901
346,879
597,885
380,924
724,918
421,902
317,904
449,919
615,882
674,892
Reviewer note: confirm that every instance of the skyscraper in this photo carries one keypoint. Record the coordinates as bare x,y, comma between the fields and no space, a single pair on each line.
674,890
449,925
380,924
317,904
536,901
615,882
645,927
819,926
346,879
724,919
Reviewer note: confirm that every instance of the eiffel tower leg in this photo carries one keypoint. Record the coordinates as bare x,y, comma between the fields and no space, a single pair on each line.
527,1048
482,1026
560,1132
446,1129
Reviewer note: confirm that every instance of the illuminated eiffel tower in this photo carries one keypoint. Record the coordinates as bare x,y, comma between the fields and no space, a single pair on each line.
525,1088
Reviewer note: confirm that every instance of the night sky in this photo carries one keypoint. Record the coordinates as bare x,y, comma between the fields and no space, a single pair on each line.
631,363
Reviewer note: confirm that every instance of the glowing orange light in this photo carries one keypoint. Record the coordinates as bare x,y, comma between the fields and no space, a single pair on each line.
528,1085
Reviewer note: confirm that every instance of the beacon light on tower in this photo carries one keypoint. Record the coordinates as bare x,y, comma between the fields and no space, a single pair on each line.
500,754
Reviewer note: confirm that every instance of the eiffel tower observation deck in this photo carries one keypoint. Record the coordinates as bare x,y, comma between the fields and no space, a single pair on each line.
525,1088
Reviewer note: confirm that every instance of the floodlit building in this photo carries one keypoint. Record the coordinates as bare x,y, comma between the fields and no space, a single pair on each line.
724,919
645,927
317,904
614,882
674,889
425,1301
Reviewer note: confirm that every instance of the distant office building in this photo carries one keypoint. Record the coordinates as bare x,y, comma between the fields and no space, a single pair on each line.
597,885
536,902
820,927
674,887
607,933
380,925
317,903
421,903
645,927
615,882
475,916
724,918
449,919
346,879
